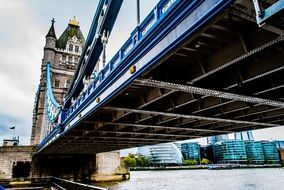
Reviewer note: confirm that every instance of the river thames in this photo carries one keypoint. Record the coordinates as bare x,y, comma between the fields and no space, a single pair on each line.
235,179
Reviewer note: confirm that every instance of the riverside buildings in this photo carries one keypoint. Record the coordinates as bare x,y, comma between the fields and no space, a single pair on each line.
191,151
162,154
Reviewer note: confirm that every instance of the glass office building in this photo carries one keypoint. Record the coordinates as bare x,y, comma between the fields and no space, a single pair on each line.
231,151
280,144
144,151
214,139
245,135
270,151
165,154
190,151
254,152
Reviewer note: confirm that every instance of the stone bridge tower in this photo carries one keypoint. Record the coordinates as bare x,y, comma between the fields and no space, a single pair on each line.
63,55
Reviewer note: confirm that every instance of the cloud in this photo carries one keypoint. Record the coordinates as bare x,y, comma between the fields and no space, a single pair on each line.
20,52
24,25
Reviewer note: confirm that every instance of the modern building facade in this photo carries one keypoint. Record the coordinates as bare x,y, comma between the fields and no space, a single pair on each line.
208,153
214,139
280,144
144,151
245,135
190,151
270,151
254,152
63,54
230,151
165,154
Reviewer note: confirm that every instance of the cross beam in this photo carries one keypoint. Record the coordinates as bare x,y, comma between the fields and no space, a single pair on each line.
160,127
188,116
207,92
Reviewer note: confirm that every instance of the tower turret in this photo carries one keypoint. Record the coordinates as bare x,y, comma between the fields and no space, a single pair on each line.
50,45
51,36
63,55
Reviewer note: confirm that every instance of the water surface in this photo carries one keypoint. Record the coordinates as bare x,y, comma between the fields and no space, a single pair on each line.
236,179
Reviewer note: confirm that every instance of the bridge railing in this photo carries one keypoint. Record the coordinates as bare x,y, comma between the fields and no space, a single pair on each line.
139,33
140,49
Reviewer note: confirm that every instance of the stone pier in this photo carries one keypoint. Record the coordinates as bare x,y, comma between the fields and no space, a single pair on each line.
22,162
15,161
110,168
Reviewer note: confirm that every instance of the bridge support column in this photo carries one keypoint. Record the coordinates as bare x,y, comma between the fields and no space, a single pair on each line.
70,167
110,168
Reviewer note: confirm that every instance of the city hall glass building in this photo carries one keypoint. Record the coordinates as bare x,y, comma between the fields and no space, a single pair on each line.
165,154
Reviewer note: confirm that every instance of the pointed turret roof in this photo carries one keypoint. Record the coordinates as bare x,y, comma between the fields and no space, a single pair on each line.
51,32
73,29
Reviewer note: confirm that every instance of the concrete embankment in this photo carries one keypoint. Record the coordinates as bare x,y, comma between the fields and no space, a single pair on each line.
194,167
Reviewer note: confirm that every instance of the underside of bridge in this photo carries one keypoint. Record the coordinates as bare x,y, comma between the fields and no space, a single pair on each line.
227,77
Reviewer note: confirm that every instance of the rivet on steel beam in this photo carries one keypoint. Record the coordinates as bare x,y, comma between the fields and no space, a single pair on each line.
132,69
80,115
98,99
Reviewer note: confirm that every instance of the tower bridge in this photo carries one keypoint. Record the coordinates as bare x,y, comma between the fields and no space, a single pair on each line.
191,69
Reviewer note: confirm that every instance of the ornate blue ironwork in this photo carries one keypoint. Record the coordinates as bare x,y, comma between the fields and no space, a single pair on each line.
148,43
51,105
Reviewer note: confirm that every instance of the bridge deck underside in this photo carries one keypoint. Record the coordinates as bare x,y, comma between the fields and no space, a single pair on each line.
238,71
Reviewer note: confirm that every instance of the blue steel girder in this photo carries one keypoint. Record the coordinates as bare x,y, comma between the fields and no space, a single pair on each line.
262,16
52,107
104,19
166,27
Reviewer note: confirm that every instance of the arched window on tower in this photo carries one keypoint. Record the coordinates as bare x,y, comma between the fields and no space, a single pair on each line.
67,83
70,58
56,83
70,47
76,59
63,58
76,49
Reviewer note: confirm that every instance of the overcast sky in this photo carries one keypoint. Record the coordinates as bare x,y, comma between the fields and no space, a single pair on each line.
24,24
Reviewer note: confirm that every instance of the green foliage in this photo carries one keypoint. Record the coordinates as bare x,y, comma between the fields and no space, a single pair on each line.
205,161
131,155
190,162
131,161
142,161
249,161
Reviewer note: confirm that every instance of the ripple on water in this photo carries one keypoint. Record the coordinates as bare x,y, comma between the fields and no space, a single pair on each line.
237,179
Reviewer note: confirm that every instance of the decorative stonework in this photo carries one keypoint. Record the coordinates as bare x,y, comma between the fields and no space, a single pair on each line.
63,55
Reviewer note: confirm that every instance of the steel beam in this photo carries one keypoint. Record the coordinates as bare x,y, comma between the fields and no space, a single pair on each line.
187,116
239,58
162,127
208,92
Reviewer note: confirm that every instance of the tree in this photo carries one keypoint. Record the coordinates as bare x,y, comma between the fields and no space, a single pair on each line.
142,161
130,160
190,162
205,161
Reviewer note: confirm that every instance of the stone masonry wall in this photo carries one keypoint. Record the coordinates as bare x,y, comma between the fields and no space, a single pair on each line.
11,155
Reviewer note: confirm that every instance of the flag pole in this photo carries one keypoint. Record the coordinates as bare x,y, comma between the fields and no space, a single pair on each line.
14,129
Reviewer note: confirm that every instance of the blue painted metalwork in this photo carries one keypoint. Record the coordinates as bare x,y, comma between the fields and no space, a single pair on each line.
51,105
265,15
167,26
104,19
